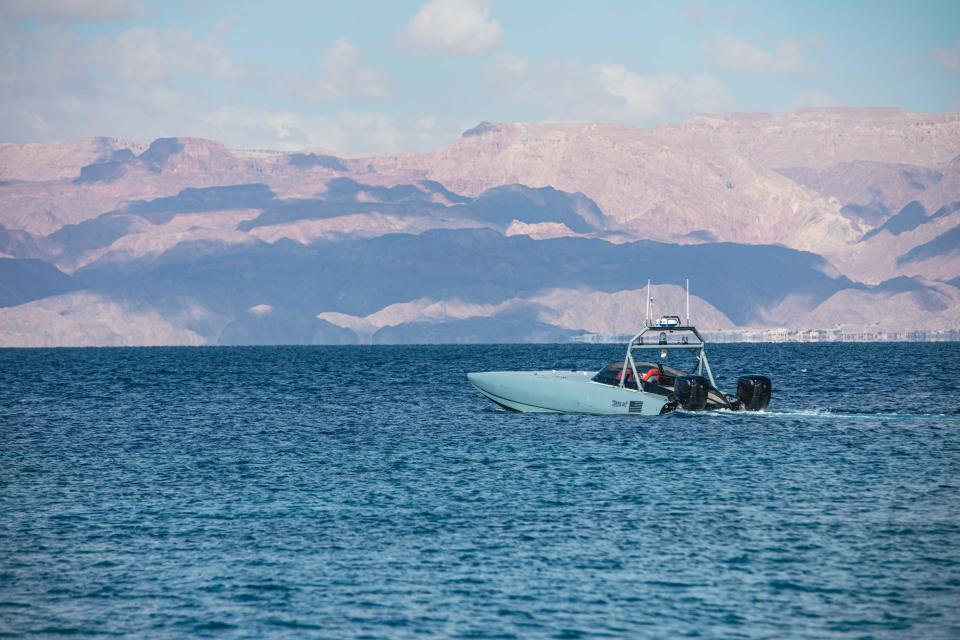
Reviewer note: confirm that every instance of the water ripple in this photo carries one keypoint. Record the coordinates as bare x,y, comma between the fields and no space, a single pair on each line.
370,492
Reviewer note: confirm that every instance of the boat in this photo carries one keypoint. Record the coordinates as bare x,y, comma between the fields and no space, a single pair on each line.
635,386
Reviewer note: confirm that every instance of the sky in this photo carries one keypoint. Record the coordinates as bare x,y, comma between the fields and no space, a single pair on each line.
391,76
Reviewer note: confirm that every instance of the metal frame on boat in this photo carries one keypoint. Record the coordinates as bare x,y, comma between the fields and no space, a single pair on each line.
668,326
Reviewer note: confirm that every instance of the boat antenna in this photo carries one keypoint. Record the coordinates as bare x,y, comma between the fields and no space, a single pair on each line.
647,317
688,302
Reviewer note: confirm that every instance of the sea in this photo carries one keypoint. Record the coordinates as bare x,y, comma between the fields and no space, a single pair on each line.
370,492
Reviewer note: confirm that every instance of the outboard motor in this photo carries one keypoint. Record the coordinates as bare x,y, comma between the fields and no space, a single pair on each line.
691,392
754,392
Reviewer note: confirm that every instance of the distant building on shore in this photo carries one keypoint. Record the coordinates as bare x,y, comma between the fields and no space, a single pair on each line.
782,334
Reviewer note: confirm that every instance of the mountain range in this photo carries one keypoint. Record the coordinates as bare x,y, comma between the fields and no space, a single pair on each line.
843,222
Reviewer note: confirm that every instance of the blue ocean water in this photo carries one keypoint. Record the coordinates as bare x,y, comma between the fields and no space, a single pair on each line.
371,492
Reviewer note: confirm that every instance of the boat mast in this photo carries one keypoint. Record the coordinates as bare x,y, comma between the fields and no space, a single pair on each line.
688,302
628,357
648,316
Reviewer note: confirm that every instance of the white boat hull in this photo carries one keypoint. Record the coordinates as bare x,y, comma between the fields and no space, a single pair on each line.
563,392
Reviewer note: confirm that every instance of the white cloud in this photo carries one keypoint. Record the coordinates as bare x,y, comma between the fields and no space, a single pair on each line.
289,130
564,90
648,97
147,55
345,131
699,12
72,10
817,98
739,55
510,64
949,58
342,75
454,26
56,86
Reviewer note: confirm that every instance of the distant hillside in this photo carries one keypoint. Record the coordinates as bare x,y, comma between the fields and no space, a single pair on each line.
26,280
816,219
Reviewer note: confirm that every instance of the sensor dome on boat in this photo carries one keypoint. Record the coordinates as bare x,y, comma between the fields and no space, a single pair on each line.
668,321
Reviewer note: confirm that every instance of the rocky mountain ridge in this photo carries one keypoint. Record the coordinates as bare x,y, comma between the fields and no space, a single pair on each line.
872,194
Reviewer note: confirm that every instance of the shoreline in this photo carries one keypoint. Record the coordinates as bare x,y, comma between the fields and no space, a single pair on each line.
711,339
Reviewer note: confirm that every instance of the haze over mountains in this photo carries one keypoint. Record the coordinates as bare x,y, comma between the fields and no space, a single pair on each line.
845,220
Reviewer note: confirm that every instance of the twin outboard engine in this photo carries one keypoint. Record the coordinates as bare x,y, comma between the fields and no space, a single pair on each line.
691,392
753,392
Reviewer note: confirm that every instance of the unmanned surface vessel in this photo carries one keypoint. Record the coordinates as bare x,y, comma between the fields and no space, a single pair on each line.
641,387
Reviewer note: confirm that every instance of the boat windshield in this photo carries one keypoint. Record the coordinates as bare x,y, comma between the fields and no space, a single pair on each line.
611,373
